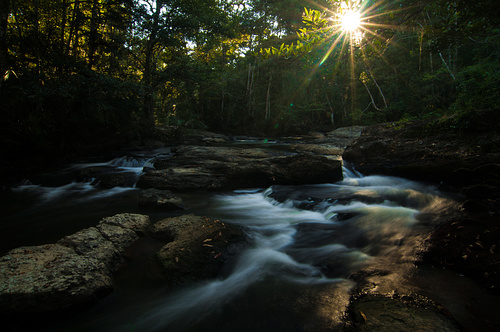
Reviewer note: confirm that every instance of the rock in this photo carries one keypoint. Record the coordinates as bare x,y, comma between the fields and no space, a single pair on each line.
436,151
382,313
346,132
91,243
137,222
218,168
321,149
75,271
50,278
197,248
161,199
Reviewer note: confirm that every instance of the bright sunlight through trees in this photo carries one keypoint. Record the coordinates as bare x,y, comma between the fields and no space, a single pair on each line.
350,21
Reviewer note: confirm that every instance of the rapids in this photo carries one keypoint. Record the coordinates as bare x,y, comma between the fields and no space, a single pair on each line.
306,241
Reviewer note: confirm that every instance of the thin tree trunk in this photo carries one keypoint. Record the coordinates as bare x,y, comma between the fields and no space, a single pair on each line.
93,33
63,27
4,62
250,80
446,65
331,109
379,89
371,96
72,42
37,34
150,69
268,99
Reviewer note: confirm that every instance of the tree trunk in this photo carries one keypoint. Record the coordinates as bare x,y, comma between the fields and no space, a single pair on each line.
379,89
268,99
250,83
446,65
63,27
332,116
73,42
150,69
4,15
37,34
93,33
371,96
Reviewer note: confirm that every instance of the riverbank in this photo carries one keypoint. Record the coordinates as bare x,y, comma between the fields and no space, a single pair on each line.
462,155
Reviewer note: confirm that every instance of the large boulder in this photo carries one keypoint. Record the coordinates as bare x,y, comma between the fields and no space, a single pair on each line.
219,168
424,150
197,246
72,272
50,278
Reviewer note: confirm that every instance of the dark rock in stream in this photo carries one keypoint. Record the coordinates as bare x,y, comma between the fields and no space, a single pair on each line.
393,313
220,168
160,199
197,246
74,271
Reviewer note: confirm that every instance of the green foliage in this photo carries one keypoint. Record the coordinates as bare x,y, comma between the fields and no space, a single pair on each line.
479,87
58,114
255,66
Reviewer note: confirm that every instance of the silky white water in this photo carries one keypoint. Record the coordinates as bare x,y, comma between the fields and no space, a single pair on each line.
352,224
305,245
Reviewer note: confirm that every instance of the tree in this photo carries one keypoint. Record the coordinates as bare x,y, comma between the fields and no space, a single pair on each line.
4,16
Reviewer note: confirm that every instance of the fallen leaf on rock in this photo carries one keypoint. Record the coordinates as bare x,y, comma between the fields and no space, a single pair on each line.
362,315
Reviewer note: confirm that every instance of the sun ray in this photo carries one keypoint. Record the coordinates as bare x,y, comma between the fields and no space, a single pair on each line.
352,25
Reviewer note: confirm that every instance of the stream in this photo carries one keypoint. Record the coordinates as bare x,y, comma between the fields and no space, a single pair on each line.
305,244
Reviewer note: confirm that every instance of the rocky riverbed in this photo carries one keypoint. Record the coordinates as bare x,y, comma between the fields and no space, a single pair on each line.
79,268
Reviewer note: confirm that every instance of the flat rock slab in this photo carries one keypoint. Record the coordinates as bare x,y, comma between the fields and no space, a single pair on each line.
197,246
223,168
72,272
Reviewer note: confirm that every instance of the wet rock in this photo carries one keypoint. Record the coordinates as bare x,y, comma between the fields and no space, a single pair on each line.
322,149
137,222
468,246
210,168
91,243
197,246
49,278
380,313
346,132
72,272
160,199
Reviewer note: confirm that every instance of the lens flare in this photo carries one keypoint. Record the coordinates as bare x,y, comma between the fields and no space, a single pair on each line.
350,21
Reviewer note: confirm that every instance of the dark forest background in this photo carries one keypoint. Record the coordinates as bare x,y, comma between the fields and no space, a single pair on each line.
77,71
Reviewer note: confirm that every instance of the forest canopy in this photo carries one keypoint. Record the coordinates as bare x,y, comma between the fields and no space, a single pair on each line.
72,69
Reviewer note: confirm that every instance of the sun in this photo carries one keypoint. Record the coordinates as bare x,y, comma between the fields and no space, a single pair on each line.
350,21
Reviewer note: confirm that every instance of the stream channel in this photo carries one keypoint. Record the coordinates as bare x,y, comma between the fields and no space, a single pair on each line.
305,243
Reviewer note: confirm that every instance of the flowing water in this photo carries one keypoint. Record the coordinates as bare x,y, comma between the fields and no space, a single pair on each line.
306,243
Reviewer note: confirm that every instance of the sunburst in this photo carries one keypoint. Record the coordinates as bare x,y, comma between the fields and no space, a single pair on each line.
350,21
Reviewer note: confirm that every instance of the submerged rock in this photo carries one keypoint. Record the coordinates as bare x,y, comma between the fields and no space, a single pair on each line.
160,199
197,246
72,272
